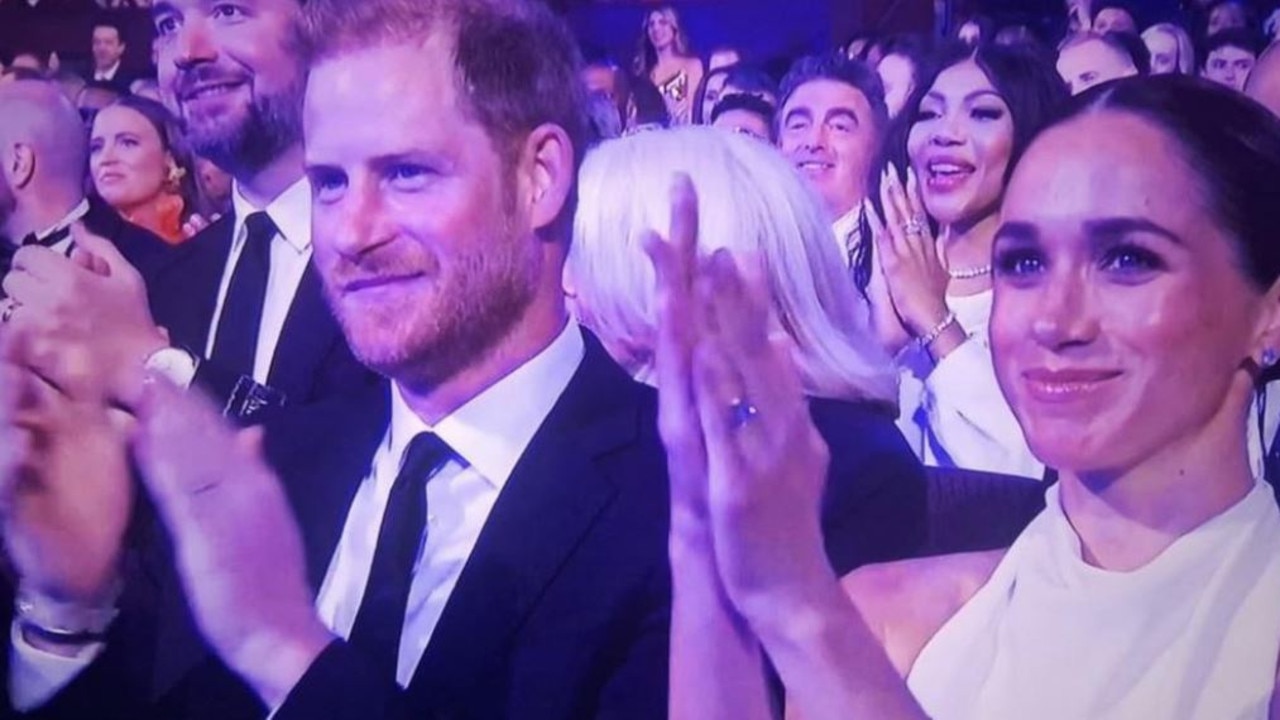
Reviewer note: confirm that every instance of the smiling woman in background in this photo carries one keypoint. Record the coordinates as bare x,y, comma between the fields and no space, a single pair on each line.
665,59
140,166
959,138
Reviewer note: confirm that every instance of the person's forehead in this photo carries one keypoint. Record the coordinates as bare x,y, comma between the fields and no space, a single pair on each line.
1231,52
822,94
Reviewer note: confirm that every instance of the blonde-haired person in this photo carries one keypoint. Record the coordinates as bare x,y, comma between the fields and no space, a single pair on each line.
754,206
1172,52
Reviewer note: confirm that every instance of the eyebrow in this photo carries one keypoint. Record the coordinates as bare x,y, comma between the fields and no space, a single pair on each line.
1103,228
801,112
935,95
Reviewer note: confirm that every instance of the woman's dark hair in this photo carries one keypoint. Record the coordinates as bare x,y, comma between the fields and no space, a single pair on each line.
701,93
1230,142
650,108
174,142
751,80
1026,81
912,46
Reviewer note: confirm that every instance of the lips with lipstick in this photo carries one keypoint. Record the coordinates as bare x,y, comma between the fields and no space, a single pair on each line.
946,174
1067,385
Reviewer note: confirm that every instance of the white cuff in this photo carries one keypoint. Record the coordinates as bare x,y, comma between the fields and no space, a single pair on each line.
35,676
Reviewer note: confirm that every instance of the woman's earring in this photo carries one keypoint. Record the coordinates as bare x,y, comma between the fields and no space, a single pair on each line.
1270,357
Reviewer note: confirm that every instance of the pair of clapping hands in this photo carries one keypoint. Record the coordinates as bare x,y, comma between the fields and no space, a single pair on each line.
77,409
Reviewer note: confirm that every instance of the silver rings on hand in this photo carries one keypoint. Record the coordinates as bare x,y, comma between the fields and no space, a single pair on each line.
914,227
741,412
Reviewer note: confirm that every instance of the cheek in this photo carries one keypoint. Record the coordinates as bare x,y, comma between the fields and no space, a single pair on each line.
917,139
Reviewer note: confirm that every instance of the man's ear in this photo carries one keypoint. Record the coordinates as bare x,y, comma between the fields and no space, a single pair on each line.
548,169
19,165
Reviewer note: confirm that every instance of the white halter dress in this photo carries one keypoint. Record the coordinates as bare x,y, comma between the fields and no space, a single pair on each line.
1194,634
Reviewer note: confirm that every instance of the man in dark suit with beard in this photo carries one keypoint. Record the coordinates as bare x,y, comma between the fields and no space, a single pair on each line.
241,307
484,535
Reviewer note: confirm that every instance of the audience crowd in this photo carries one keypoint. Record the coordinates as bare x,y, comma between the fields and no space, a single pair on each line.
400,358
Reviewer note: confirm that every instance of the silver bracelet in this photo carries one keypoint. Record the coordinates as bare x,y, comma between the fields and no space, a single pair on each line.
924,341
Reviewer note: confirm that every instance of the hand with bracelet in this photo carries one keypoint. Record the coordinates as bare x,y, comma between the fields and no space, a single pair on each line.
914,272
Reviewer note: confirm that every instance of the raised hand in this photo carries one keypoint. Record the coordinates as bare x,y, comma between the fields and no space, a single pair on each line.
65,487
237,545
914,274
93,304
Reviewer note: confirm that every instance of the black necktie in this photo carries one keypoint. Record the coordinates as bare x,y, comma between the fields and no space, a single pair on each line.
236,342
380,620
8,249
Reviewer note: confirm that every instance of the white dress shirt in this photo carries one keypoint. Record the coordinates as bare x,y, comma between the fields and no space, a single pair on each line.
488,434
290,253
63,246
106,75
845,227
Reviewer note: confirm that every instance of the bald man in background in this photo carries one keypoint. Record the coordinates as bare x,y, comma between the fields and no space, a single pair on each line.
1264,81
43,159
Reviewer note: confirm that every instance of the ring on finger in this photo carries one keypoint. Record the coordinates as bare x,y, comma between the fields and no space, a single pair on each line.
741,412
913,227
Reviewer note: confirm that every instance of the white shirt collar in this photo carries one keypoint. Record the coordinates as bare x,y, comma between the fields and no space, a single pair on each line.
77,212
493,429
108,74
290,211
847,223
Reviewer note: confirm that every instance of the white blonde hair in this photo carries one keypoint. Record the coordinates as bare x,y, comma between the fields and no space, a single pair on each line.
1186,50
752,203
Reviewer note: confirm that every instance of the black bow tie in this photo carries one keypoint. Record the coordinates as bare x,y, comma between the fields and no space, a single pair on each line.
49,240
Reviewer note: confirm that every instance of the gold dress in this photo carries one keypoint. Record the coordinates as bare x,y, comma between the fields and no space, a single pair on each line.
675,91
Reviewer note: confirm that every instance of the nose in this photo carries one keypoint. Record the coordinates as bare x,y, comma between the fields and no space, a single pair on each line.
355,225
107,155
948,130
192,44
1064,312
815,136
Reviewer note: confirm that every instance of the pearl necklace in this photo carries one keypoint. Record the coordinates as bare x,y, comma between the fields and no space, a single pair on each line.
969,273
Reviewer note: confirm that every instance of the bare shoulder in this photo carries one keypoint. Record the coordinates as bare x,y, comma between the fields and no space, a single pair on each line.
693,65
905,603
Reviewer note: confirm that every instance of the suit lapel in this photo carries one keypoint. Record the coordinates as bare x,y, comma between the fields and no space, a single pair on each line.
308,334
553,497
184,292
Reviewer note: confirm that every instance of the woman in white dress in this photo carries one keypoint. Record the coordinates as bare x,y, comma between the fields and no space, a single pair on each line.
1137,295
956,143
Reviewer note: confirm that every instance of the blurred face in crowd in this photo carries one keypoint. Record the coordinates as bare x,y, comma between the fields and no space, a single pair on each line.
108,47
1091,63
898,74
421,236
1114,20
970,34
712,92
744,122
1226,16
960,145
1264,81
1079,16
723,58
601,80
234,75
127,159
1164,52
1121,314
28,61
661,28
829,133
1230,66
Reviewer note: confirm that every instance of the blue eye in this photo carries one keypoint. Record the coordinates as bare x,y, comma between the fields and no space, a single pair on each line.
1019,263
327,187
1131,260
406,176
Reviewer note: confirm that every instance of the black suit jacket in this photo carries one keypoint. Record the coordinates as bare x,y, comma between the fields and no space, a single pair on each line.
312,361
875,506
562,610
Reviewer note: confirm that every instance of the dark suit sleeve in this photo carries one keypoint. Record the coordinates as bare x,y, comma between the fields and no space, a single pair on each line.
637,686
340,685
875,506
